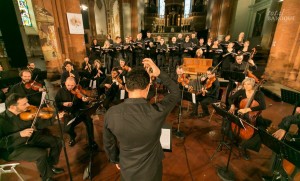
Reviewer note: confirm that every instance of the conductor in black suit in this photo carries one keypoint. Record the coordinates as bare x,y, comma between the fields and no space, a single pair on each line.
132,129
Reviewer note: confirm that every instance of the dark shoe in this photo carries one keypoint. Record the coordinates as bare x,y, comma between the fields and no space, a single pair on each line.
57,170
72,142
244,153
202,115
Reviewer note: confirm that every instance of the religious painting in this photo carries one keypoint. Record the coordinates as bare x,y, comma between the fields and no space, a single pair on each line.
259,22
75,23
46,31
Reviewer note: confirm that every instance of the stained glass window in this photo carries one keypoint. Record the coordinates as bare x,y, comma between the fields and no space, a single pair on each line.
161,8
187,8
24,13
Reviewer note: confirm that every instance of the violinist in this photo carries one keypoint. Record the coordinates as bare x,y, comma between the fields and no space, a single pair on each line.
112,85
29,88
208,94
258,104
69,72
70,104
42,148
124,69
35,72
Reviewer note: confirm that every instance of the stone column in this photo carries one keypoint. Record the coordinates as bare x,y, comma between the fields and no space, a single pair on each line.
134,19
215,14
283,63
92,20
224,24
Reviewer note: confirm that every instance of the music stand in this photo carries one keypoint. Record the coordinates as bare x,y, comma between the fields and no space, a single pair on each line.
290,97
283,150
223,172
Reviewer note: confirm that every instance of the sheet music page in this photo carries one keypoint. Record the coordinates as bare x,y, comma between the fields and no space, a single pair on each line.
2,107
194,98
122,95
165,138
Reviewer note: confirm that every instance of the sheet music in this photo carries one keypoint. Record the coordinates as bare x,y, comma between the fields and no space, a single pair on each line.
194,98
2,107
122,95
165,138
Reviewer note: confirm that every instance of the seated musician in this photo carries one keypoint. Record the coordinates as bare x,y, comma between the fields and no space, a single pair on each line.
238,102
28,89
67,101
112,85
208,94
98,75
69,72
35,72
14,134
281,133
239,65
124,69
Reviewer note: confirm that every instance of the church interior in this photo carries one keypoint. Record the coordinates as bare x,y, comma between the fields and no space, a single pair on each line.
49,33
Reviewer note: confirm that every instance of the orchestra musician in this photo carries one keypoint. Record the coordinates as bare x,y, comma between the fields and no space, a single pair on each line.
69,102
161,50
69,72
42,148
124,69
208,94
35,72
98,75
112,85
3,87
292,140
27,87
239,65
237,103
133,143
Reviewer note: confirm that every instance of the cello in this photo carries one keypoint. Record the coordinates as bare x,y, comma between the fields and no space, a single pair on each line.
250,122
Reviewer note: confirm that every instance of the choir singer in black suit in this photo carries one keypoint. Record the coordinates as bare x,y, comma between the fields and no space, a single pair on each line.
132,129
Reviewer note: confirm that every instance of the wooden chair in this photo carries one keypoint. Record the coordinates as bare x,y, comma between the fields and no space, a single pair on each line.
10,168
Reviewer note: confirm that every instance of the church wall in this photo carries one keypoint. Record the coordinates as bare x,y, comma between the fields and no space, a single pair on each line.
100,18
126,19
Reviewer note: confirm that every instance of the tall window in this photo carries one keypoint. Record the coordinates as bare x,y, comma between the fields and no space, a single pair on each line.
24,13
161,8
187,8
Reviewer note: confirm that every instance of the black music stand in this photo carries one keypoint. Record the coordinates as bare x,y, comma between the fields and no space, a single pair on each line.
178,133
223,172
283,150
290,97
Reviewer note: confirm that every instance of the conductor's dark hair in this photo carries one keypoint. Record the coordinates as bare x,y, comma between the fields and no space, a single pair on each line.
137,78
13,99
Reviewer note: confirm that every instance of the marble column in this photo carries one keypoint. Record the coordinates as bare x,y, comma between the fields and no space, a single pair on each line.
284,62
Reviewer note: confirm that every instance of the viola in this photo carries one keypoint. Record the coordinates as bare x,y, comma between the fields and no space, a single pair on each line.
183,80
33,85
126,68
44,113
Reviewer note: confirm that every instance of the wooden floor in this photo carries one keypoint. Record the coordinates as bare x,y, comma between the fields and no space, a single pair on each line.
188,161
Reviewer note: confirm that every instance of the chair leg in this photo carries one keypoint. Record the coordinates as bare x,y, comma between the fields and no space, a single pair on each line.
15,171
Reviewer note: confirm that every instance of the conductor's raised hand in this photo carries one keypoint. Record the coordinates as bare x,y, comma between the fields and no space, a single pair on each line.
151,68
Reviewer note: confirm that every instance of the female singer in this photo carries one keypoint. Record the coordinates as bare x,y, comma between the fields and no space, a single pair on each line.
246,51
95,50
228,57
216,51
247,92
199,53
107,58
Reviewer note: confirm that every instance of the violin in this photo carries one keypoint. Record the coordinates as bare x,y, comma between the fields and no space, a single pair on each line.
44,113
183,80
33,85
126,68
79,92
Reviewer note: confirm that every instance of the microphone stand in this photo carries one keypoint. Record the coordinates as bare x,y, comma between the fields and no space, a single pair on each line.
62,139
178,133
